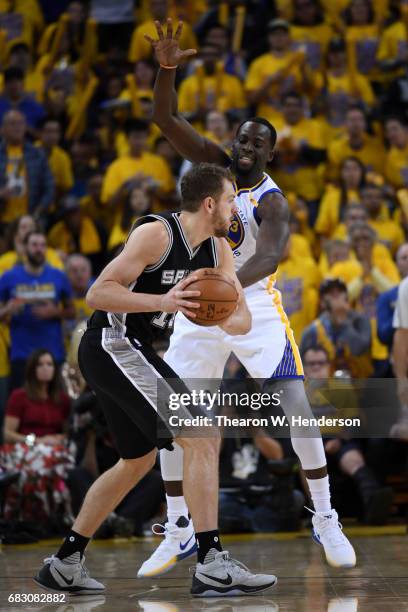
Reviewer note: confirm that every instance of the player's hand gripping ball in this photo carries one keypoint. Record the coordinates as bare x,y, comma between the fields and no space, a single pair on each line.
218,298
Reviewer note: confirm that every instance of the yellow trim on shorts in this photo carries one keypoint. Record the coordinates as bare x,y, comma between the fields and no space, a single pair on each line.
284,318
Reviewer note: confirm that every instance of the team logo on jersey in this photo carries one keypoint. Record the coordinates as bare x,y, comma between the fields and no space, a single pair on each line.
236,232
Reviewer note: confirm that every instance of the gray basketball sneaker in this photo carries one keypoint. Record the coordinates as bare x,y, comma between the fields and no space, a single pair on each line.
73,577
227,577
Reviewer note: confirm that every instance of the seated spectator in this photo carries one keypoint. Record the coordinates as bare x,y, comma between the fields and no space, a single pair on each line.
123,171
35,298
277,72
344,333
79,272
34,432
387,300
298,281
140,48
26,182
218,35
91,203
396,163
392,52
210,88
15,98
336,199
78,233
344,455
343,89
21,57
58,160
136,205
16,250
355,143
300,151
310,29
378,217
362,36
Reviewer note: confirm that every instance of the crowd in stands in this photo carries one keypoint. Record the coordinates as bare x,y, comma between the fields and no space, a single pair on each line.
81,160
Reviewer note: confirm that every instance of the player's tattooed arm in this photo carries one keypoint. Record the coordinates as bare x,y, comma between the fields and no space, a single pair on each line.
240,321
145,246
185,139
273,234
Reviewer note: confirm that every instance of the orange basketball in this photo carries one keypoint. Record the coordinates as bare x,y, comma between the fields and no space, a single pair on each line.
218,298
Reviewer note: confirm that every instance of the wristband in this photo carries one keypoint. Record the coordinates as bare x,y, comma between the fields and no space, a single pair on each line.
168,67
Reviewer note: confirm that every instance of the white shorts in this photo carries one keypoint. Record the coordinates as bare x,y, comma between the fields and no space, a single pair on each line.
267,351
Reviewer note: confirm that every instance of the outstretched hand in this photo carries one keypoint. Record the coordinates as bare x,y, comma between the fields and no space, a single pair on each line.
166,48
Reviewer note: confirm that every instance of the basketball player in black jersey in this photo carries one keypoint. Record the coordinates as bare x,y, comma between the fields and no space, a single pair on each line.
135,301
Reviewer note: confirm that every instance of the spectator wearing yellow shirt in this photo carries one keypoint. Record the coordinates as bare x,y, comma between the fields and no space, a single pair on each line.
373,279
120,174
362,34
23,20
136,205
141,84
341,87
396,163
277,72
140,48
91,203
58,160
356,143
217,35
20,57
16,249
77,233
378,217
336,199
300,150
210,88
311,30
79,271
298,281
392,53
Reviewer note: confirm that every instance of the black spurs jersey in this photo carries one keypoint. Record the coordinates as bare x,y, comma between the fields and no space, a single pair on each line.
177,262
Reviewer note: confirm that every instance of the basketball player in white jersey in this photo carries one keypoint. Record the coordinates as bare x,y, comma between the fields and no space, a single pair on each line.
258,236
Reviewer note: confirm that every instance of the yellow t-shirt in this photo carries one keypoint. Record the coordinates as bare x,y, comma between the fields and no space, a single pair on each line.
124,168
4,350
89,241
329,212
298,280
396,167
305,180
140,48
342,91
299,247
22,20
10,259
316,39
61,168
393,44
365,39
118,235
16,179
390,234
230,93
371,154
264,66
97,211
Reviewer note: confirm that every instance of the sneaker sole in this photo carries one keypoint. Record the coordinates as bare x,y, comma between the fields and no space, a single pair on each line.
235,591
316,539
167,567
69,591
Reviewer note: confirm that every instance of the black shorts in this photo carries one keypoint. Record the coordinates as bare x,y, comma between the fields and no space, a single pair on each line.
128,378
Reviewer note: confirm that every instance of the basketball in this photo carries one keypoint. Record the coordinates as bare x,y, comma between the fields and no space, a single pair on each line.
218,298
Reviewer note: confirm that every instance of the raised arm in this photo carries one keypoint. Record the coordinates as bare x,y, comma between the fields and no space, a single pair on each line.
185,139
273,235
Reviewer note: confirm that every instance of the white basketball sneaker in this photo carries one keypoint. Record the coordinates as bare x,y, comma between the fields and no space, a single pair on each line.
227,577
327,531
178,544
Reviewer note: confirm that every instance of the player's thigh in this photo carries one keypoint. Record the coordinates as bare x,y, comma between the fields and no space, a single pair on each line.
196,352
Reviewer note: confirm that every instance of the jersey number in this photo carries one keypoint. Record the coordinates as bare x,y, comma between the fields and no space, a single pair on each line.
164,319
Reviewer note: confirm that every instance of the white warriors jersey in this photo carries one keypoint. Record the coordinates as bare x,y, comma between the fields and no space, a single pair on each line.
244,227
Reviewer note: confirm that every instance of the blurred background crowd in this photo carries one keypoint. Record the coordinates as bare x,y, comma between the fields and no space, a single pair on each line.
80,160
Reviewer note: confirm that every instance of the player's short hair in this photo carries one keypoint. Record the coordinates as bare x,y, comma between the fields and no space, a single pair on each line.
202,181
262,121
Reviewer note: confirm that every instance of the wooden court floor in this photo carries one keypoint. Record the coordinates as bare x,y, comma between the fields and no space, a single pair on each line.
378,584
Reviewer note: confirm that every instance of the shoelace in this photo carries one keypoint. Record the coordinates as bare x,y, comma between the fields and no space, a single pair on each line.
328,527
168,532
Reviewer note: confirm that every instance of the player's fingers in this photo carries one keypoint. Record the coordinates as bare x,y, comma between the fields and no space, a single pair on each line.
188,313
187,294
186,281
188,52
187,304
159,30
169,28
179,30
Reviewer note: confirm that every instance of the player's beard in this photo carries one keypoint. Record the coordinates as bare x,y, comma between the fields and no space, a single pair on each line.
221,227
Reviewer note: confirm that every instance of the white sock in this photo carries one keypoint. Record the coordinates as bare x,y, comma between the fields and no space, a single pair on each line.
176,507
320,492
